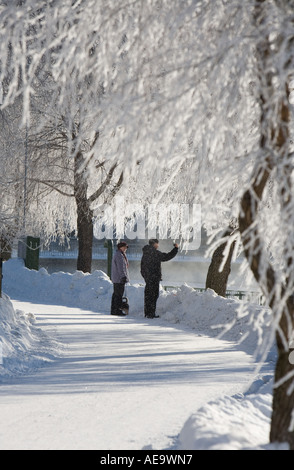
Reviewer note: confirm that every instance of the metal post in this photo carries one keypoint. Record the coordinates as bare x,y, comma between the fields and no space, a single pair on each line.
25,181
1,276
1,261
109,245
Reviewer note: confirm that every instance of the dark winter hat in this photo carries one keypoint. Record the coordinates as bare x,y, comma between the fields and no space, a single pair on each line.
152,241
122,244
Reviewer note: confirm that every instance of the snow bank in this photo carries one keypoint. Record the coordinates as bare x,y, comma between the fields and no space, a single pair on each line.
231,423
87,291
23,346
230,319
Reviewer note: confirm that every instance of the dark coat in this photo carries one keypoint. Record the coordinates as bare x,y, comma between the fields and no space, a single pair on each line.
151,262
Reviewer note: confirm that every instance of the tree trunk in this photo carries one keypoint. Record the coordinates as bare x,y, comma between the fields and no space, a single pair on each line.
274,145
216,279
283,395
85,237
84,218
84,211
282,424
5,249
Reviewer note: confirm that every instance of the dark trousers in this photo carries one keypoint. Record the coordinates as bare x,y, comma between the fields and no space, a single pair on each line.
116,301
151,295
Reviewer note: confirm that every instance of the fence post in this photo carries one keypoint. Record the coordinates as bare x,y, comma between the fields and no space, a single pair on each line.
1,276
109,245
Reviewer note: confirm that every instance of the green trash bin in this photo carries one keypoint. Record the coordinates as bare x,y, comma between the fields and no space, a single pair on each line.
32,253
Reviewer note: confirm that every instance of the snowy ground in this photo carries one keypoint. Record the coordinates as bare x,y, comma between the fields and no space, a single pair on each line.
73,377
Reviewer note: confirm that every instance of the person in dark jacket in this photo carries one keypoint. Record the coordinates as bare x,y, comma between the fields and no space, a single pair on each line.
119,277
151,272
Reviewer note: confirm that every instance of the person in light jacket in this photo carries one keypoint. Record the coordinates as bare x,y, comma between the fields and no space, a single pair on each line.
119,277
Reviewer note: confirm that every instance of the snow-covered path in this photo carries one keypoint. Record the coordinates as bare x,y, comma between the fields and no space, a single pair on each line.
120,383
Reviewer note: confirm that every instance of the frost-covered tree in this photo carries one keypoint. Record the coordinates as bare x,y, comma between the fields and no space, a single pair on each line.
215,73
64,126
27,207
75,143
12,169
